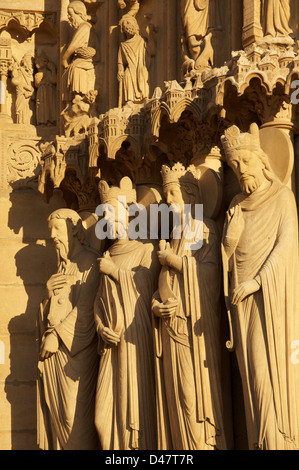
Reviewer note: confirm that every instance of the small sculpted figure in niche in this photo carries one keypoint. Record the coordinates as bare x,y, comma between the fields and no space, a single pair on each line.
68,365
125,397
45,81
79,76
134,58
22,79
186,319
260,260
196,16
276,19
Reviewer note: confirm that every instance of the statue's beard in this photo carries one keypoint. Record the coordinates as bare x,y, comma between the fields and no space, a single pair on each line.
249,184
62,254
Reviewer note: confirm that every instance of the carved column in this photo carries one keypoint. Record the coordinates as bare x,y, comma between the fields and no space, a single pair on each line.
252,29
5,61
64,37
296,147
286,165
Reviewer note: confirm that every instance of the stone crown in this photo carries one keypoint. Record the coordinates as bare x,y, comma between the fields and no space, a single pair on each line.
125,189
179,174
233,140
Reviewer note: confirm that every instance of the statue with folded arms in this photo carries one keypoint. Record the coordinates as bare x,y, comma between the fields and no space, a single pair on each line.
260,262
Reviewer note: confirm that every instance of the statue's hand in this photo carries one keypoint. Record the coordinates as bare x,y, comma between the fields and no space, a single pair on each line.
106,265
57,281
120,75
109,336
49,345
165,310
65,63
243,290
164,252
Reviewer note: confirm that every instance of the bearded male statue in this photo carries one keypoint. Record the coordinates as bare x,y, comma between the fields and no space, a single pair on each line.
68,363
260,260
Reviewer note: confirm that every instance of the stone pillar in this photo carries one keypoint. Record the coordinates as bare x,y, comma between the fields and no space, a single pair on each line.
282,148
296,148
5,61
252,29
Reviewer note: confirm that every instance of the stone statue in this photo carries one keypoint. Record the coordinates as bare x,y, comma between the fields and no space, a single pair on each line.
79,75
195,18
22,79
186,316
134,58
125,397
45,82
260,260
277,15
68,364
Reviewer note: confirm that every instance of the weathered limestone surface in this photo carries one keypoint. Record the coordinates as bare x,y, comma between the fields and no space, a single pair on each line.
101,98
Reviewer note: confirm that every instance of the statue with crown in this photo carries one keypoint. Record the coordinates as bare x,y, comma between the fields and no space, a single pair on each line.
125,396
260,263
186,322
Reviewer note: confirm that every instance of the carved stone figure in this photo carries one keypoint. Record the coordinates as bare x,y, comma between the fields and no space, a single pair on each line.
195,17
22,79
260,259
45,82
79,75
133,63
277,15
186,328
68,362
125,398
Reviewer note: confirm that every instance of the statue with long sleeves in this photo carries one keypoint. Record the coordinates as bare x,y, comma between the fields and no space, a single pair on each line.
22,80
186,320
79,78
134,58
260,261
68,364
45,80
79,75
125,397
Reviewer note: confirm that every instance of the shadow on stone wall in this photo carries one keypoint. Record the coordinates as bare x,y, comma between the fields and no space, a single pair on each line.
35,261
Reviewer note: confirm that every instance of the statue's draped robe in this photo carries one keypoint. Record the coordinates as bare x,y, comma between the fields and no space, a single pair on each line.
133,55
276,18
79,77
187,351
67,379
260,238
195,17
125,398
45,98
24,91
